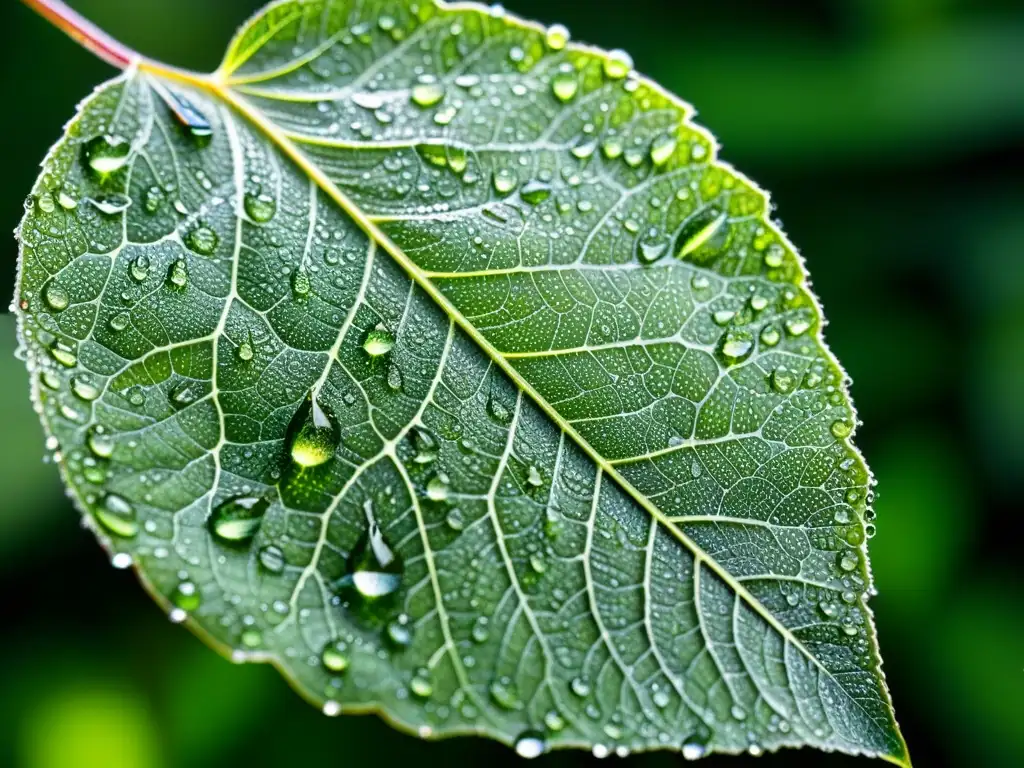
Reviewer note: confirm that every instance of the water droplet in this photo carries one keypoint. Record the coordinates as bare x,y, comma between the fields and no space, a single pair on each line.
45,203
399,632
84,388
421,686
100,441
736,346
378,342
301,285
600,751
498,410
504,696
245,351
117,515
534,477
530,745
333,658
505,181
121,561
437,488
111,205
177,276
139,268
119,321
66,201
841,429
455,519
783,380
797,326
553,721
312,435
186,113
698,231
480,631
770,336
238,518
663,148
650,252
107,154
184,394
661,699
186,596
617,65
427,93
252,638
394,378
203,240
153,199
64,354
580,687
272,558
849,561
694,748
260,208
374,569
565,85
56,297
612,147
556,37
535,192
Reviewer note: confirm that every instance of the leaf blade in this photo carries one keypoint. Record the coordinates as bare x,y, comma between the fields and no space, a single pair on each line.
319,159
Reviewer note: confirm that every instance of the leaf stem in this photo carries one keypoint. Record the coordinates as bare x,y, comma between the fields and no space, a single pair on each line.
87,34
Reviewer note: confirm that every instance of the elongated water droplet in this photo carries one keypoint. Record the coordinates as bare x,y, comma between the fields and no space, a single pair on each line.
698,231
100,441
64,354
505,181
394,378
203,240
245,351
504,695
534,478
313,436
301,285
650,251
111,205
783,380
378,342
118,516
580,687
374,569
565,85
260,208
238,519
107,154
66,201
662,149
84,389
455,519
797,326
186,113
119,322
153,199
736,346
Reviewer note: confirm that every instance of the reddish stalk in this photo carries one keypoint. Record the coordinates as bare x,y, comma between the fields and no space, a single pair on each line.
87,34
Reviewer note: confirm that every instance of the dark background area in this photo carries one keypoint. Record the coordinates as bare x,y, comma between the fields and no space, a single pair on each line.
891,134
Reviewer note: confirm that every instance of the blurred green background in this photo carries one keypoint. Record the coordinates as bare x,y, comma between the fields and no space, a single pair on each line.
891,133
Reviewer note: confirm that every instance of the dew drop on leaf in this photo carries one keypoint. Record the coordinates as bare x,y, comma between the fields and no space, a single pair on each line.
313,436
237,519
378,342
530,745
333,658
117,515
107,154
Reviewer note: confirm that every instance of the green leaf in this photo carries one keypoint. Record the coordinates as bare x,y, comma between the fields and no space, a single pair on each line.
442,364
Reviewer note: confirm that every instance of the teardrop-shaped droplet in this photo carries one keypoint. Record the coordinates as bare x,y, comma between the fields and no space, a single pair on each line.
64,354
554,721
662,149
698,231
153,199
652,250
841,429
421,686
530,745
400,632
139,268
66,201
186,113
504,695
260,208
56,296
437,488
426,447
535,192
203,240
378,342
374,569
238,519
84,388
244,351
565,85
301,286
107,154
534,478
117,515
186,596
184,394
394,378
313,436
736,346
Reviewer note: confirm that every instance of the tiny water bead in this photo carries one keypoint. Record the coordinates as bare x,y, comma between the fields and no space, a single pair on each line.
378,342
237,519
117,515
313,436
106,155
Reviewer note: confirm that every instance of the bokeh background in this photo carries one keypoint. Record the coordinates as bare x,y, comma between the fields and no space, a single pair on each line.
891,133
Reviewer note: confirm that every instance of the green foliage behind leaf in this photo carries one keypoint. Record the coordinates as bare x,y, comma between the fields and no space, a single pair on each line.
441,363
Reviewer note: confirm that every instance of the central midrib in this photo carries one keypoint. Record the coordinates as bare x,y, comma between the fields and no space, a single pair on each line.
213,85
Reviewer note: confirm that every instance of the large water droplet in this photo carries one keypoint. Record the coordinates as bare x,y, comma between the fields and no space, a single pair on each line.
56,297
530,745
378,342
238,519
260,208
100,441
374,569
111,205
736,346
617,65
698,230
64,354
84,388
333,658
186,596
400,632
203,240
107,154
177,275
139,268
427,93
505,181
437,488
313,436
565,85
301,285
662,149
421,686
535,192
118,516
272,558
556,37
